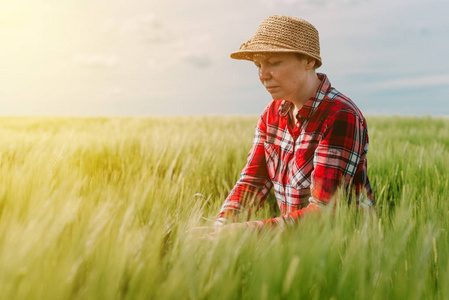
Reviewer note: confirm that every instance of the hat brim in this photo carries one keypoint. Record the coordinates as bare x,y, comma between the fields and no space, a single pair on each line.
249,53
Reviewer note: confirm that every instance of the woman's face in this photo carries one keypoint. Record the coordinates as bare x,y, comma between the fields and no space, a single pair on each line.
284,75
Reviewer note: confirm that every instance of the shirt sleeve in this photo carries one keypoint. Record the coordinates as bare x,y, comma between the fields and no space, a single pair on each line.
254,183
336,163
339,157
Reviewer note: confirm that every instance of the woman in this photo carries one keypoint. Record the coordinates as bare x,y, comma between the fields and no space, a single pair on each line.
309,141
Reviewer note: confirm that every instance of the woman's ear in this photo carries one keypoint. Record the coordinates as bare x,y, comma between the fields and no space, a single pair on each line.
310,63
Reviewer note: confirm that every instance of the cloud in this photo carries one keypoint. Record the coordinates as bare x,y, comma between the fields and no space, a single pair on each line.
196,49
167,46
192,49
197,60
417,82
145,28
96,60
311,3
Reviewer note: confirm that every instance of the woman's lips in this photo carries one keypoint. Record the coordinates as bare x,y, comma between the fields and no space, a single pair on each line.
271,88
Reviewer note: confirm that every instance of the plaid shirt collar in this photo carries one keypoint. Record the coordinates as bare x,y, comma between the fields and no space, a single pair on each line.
311,105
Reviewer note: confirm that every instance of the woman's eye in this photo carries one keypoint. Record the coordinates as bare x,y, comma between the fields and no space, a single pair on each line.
275,63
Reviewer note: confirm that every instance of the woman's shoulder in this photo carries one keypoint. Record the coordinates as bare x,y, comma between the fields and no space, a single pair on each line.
272,117
340,107
275,109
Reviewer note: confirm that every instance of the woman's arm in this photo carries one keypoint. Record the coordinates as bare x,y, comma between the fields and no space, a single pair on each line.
254,184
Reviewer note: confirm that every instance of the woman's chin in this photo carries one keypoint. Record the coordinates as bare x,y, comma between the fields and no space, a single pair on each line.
277,96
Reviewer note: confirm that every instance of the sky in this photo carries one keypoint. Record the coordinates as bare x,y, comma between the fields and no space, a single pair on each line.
160,58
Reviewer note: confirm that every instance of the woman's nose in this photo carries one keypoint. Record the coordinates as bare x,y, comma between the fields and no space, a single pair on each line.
264,73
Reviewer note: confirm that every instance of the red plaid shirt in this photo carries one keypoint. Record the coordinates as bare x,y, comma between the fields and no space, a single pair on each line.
306,163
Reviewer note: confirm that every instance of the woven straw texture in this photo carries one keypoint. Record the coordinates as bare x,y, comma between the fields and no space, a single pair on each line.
282,34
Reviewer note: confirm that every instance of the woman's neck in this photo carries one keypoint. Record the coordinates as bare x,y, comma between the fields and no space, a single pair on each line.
310,89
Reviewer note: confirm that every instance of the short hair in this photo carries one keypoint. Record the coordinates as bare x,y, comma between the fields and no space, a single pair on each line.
302,56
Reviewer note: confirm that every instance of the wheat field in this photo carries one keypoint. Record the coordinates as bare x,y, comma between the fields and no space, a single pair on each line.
98,208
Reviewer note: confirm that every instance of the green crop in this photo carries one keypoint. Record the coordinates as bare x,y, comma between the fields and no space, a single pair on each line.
98,208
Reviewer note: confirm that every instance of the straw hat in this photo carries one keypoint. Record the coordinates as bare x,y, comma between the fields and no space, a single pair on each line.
282,34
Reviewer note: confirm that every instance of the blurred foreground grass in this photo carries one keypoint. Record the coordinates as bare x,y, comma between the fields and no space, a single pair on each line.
97,208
